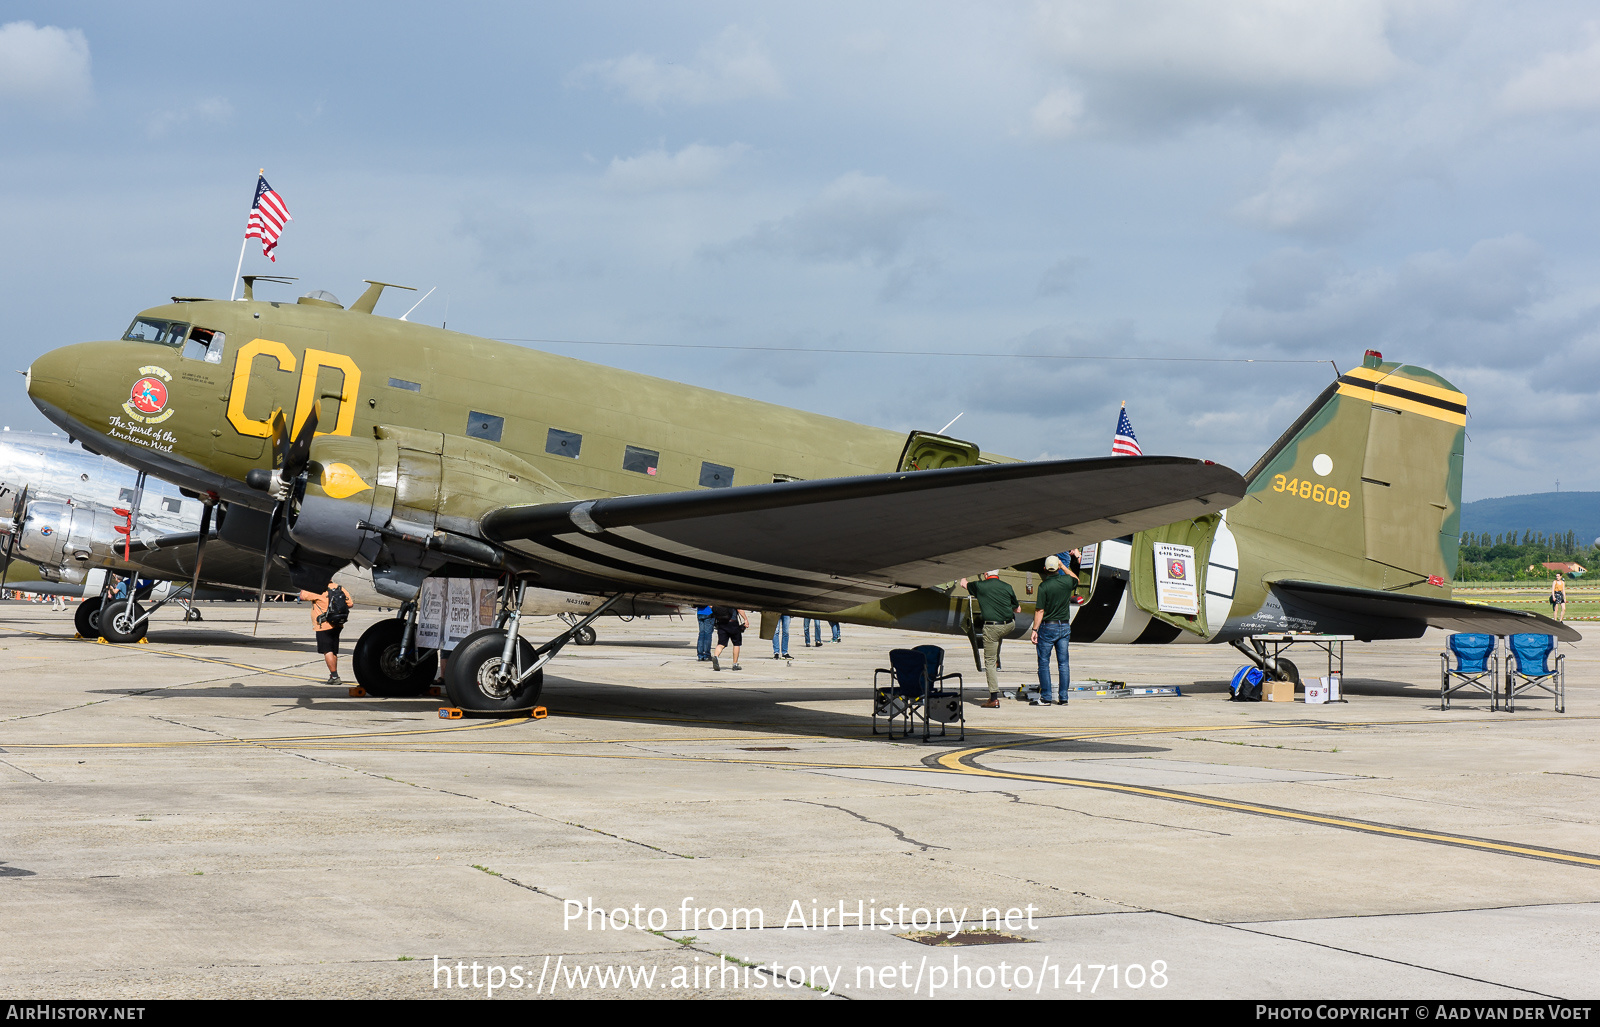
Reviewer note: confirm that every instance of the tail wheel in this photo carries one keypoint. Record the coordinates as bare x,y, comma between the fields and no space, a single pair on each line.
472,675
1287,671
122,621
380,670
585,636
86,618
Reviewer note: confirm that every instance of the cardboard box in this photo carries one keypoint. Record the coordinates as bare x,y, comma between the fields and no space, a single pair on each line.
1316,690
1277,691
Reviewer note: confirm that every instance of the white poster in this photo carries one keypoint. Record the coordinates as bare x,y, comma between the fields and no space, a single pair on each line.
1175,580
450,609
430,612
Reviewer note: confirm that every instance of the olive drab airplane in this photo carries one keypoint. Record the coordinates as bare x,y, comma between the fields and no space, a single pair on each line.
343,436
74,522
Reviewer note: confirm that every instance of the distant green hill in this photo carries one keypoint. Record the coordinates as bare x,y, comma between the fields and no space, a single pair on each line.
1554,513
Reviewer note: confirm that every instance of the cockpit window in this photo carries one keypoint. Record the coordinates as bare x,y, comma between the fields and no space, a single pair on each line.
162,333
205,344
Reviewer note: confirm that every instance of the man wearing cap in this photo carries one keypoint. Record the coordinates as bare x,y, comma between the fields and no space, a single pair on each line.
1052,629
998,606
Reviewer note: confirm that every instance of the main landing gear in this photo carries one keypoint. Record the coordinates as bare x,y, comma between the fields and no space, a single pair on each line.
387,662
1280,668
496,671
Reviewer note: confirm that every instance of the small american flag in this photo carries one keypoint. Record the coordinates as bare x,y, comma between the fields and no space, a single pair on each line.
268,215
1124,443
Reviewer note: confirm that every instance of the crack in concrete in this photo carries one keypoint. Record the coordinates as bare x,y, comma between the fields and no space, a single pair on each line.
475,798
899,834
1101,816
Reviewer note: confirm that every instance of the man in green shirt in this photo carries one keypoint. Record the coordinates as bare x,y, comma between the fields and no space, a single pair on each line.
998,606
1052,629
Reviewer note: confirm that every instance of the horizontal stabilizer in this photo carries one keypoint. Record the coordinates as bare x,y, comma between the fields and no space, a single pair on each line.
1449,614
835,543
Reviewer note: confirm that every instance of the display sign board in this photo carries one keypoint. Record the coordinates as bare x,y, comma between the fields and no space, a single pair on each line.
1175,580
1086,560
450,609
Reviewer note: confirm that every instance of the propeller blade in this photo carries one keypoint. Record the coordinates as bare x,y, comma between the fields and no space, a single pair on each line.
200,545
266,566
19,513
299,450
280,438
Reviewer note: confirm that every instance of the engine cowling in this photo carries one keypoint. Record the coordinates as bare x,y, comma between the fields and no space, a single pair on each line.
412,484
63,539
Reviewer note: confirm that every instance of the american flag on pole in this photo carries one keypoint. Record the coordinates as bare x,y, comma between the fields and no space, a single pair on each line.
1124,443
268,215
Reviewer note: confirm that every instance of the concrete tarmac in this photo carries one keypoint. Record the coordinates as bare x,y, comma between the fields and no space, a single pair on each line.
202,817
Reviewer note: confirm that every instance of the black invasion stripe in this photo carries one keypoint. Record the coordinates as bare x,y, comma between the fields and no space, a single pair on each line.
679,580
1157,632
1394,390
612,538
1096,614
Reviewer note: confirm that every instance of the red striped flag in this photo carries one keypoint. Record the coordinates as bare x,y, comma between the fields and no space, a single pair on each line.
1123,443
268,215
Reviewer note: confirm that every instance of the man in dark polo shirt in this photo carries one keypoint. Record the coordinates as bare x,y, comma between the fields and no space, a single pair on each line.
998,606
1052,630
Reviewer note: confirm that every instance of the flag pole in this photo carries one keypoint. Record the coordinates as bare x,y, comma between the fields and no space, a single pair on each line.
240,269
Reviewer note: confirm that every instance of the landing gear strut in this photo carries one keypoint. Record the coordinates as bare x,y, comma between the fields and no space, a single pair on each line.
1280,668
496,671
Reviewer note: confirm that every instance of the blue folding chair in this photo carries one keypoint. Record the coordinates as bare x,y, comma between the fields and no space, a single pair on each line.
1477,668
915,689
1528,669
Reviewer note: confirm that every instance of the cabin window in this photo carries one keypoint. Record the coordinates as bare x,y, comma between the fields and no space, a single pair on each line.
401,383
642,461
125,496
172,505
205,344
485,426
162,333
715,476
563,443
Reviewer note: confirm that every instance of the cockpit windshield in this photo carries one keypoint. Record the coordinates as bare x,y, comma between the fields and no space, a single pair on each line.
162,333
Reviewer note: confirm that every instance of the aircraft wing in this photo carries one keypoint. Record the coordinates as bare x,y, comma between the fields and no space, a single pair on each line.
1450,614
832,544
225,564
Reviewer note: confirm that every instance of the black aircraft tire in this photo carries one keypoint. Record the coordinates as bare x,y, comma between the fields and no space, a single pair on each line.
86,618
586,636
118,621
377,670
469,675
1287,671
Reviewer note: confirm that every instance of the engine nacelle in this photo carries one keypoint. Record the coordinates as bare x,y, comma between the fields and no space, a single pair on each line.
407,482
63,539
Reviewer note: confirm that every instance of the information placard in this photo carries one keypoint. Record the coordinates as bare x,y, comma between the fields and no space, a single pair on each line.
1175,580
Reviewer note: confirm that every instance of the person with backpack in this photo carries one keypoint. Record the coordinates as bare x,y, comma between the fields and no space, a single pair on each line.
329,612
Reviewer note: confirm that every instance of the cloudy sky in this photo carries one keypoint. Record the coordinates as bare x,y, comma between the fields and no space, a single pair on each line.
1044,185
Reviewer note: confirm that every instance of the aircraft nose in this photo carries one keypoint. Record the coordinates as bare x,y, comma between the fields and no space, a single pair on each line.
51,377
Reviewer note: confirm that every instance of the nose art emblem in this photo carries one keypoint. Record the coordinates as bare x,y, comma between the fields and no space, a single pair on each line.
147,400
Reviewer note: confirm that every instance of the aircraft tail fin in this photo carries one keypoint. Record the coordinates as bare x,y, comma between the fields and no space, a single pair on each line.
1370,476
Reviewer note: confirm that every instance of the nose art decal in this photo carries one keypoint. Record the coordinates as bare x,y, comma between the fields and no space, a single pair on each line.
147,400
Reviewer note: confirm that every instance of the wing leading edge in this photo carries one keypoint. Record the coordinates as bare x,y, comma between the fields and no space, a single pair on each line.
1449,614
836,543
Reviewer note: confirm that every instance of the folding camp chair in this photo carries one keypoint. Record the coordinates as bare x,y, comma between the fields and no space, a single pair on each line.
1528,669
914,689
1477,668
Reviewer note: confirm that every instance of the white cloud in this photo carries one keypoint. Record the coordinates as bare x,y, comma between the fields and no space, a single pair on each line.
857,217
732,66
213,111
1558,82
1140,64
692,167
44,68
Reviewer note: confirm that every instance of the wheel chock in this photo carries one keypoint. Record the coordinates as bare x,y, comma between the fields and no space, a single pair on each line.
435,692
357,692
142,641
538,713
76,637
102,640
450,713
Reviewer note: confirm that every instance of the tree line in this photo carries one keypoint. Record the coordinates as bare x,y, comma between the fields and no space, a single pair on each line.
1507,556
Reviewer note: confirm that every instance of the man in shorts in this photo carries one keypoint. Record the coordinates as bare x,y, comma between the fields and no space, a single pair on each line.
730,623
327,633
